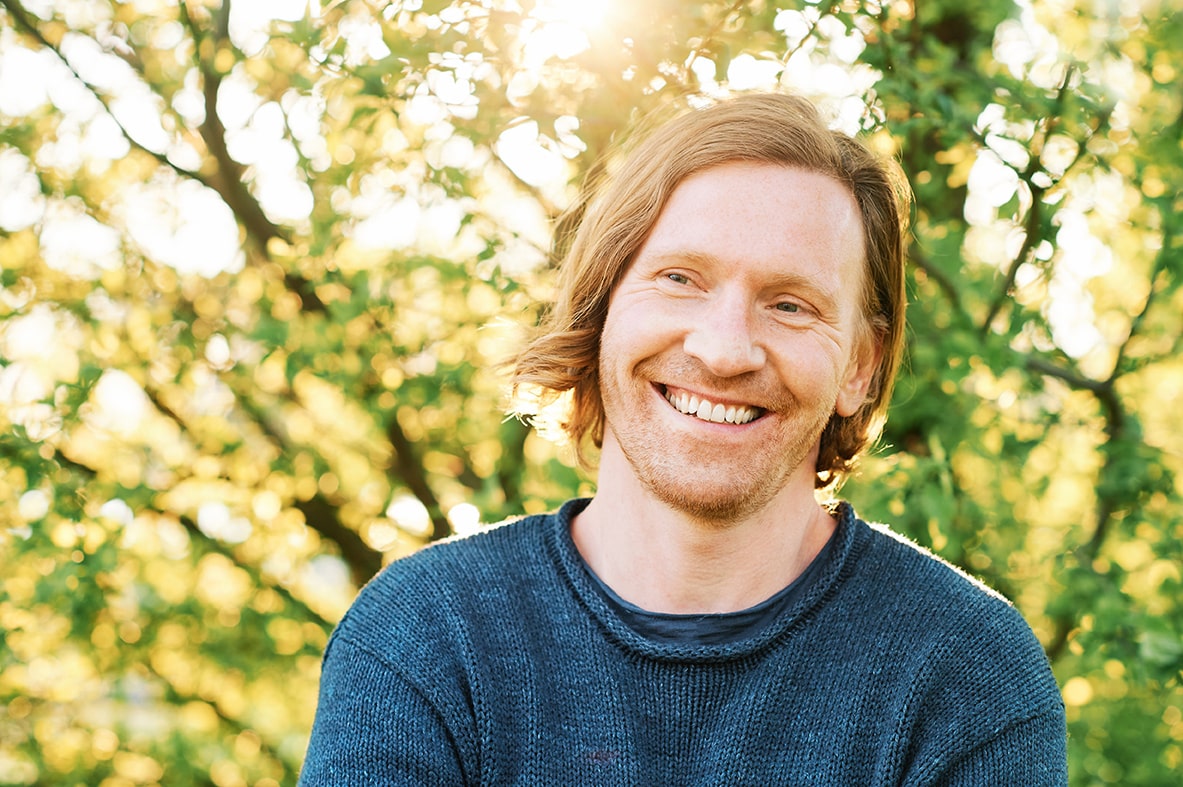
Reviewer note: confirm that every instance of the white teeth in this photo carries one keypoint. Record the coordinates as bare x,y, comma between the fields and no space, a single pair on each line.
709,411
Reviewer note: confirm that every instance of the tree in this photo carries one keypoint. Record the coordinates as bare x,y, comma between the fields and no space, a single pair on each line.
258,275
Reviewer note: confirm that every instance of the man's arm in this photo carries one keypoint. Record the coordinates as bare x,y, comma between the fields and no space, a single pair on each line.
373,727
1031,753
986,710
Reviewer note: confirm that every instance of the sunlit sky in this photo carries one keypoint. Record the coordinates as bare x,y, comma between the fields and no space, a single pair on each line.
182,224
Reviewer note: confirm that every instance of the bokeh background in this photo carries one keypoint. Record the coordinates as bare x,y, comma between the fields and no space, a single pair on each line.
259,262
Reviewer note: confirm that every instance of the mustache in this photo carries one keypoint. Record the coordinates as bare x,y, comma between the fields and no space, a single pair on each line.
759,388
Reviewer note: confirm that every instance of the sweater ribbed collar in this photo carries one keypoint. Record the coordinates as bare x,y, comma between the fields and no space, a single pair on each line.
847,542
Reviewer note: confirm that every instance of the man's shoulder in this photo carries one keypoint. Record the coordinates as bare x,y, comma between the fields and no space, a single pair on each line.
913,570
437,587
472,560
487,549
971,662
909,588
949,615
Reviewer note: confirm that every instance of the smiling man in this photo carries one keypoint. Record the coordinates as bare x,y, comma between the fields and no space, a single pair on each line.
729,322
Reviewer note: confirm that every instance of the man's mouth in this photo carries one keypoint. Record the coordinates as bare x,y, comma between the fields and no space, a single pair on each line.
706,410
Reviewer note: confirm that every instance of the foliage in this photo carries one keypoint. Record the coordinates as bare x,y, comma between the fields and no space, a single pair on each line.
257,277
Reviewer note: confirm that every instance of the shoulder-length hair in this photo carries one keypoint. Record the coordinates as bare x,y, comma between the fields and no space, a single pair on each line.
776,129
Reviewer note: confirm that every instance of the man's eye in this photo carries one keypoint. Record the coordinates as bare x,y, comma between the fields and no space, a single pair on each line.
789,308
678,278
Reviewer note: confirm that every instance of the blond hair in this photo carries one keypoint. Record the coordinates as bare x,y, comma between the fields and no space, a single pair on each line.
762,128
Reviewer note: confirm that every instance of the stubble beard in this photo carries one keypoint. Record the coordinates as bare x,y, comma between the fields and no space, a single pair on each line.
695,480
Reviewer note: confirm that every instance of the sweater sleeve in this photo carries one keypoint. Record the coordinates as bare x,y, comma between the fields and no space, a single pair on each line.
987,710
1031,753
373,727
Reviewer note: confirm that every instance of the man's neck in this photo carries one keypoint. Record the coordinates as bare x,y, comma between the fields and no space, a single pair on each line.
664,560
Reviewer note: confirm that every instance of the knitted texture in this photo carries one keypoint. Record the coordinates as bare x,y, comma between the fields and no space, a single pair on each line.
492,660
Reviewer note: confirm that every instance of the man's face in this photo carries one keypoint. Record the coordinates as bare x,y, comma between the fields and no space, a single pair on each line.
733,337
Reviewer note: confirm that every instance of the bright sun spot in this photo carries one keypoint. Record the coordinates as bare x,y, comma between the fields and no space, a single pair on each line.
580,13
119,403
409,514
249,21
563,29
465,518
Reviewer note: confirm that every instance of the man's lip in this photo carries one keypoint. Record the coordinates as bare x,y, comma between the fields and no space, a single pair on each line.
665,389
748,413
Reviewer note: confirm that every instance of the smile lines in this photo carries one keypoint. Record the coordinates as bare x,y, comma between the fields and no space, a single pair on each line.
709,411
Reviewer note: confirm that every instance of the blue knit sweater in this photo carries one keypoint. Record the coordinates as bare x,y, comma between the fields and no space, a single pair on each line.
493,660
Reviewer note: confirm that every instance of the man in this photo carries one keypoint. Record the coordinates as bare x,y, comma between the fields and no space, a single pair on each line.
729,322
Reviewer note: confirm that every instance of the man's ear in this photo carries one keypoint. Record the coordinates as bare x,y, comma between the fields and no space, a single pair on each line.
860,372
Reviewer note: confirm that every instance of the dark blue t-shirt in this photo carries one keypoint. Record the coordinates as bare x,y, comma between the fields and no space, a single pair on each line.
717,628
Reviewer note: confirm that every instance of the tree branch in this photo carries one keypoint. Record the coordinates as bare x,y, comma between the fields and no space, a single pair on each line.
321,514
411,473
227,182
943,280
1115,428
1087,552
1031,238
1030,241
214,545
23,22
1161,261
229,177
92,476
704,44
824,9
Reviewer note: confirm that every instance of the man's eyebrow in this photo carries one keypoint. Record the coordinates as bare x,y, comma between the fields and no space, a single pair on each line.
788,280
675,256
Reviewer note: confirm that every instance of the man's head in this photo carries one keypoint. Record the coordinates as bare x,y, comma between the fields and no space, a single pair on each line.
762,129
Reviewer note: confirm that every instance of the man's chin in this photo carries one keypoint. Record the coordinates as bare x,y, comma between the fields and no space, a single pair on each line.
711,504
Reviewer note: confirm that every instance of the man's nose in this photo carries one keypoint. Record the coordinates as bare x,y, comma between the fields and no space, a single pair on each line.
723,340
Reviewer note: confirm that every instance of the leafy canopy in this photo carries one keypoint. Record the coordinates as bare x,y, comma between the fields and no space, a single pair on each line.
259,264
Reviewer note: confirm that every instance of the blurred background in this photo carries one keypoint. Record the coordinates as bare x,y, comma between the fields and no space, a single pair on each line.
260,260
